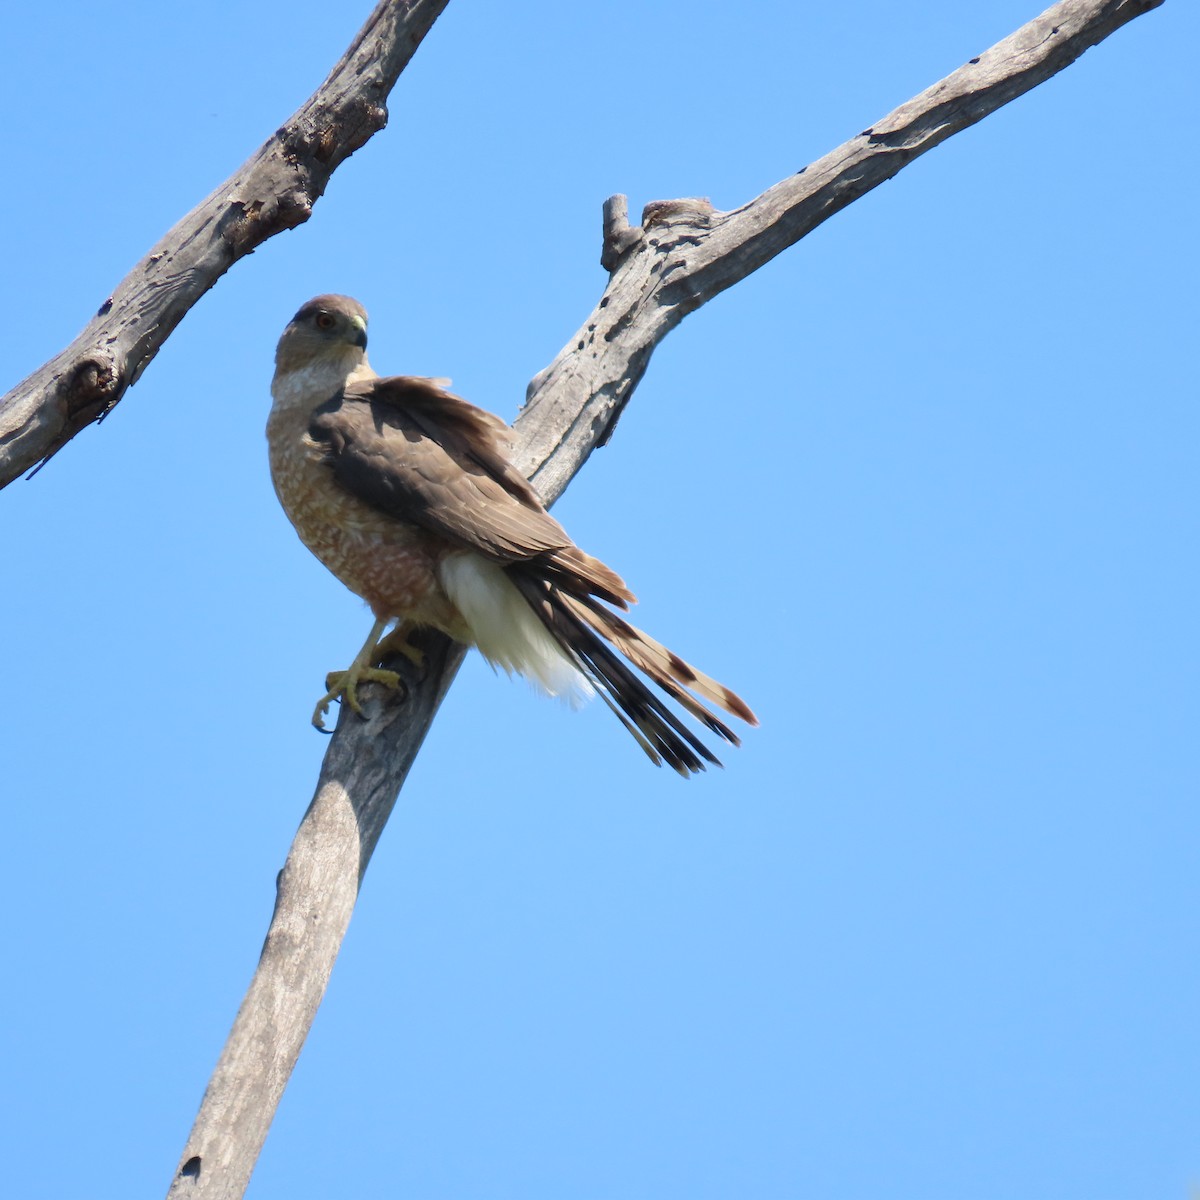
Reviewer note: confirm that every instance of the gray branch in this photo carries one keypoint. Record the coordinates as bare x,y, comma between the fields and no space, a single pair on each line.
683,253
273,191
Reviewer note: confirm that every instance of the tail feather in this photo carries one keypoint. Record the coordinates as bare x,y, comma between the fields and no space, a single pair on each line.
579,573
593,626
585,629
664,666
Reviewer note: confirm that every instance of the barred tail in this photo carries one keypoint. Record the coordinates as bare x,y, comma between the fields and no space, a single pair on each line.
588,633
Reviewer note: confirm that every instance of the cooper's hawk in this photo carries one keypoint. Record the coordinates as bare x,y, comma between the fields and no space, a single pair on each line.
406,493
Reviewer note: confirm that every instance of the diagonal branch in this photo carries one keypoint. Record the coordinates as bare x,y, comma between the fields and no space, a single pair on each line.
273,191
682,254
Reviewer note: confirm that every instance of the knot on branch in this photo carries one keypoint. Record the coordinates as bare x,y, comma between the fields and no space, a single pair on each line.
324,135
695,210
91,387
85,393
247,224
313,145
620,237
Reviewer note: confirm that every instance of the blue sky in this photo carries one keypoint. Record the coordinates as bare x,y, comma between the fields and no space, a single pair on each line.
923,490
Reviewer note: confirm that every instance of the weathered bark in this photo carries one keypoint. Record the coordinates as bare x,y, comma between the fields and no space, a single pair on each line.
315,896
683,253
273,191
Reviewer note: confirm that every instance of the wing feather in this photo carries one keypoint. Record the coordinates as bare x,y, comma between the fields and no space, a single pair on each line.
419,453
426,457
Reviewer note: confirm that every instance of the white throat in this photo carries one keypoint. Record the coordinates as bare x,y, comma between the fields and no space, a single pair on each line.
324,377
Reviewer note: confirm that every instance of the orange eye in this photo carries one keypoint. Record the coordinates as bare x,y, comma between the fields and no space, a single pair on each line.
325,321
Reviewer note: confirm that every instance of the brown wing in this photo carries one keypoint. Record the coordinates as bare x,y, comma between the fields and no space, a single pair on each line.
425,456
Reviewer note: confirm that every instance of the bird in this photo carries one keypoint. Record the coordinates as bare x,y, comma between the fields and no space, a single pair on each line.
408,494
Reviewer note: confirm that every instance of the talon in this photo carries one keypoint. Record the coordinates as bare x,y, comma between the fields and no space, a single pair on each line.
339,684
345,684
318,717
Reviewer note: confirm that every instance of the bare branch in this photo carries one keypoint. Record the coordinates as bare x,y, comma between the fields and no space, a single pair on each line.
273,191
683,253
315,893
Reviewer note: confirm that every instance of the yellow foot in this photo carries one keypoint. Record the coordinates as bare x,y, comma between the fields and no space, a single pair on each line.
397,642
345,684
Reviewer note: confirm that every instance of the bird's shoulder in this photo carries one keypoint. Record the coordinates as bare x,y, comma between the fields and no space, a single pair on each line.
418,453
388,417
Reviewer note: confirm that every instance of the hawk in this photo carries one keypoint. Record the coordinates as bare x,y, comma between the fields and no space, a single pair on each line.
408,495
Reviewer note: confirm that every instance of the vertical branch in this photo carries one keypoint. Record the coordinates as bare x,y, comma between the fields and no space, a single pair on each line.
316,891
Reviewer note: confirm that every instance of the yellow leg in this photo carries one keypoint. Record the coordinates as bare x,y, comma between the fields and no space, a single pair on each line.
345,683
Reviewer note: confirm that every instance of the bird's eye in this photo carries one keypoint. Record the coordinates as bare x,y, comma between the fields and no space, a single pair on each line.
325,321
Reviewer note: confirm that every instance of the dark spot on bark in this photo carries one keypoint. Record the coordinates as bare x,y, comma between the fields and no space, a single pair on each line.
92,384
191,1168
974,60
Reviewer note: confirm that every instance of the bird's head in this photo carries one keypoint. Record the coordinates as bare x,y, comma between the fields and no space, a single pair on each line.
328,329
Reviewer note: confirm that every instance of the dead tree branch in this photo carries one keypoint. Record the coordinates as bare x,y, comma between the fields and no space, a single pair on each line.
683,253
273,191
